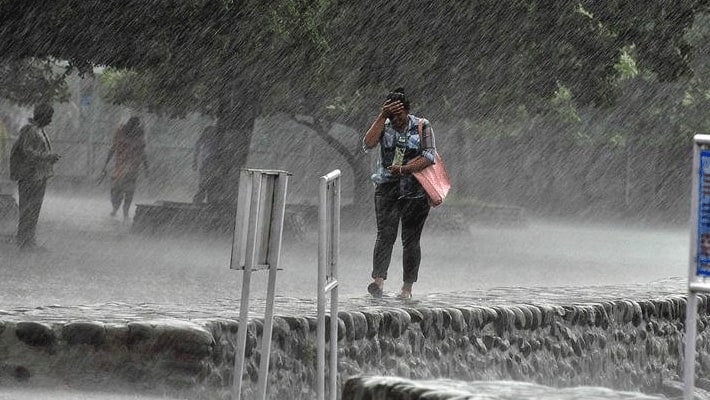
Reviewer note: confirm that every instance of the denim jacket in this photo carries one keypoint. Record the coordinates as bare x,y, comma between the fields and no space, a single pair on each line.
415,146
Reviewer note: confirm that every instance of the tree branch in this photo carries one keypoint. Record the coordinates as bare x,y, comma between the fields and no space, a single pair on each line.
318,127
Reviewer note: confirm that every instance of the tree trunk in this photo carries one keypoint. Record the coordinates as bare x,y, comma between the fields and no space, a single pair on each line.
362,189
235,128
358,163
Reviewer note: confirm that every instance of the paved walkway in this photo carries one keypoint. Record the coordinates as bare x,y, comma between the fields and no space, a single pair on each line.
285,306
95,269
70,394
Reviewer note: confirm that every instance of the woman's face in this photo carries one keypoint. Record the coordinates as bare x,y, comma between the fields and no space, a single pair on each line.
399,119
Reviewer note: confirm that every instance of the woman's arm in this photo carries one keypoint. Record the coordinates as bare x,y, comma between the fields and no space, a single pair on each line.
372,136
427,157
416,164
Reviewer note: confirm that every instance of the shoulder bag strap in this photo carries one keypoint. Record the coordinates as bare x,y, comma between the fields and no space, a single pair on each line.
420,131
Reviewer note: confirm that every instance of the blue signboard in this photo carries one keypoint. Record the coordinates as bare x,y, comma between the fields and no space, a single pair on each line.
703,245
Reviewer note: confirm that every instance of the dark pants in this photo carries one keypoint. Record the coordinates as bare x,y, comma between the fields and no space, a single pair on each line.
122,191
390,210
31,197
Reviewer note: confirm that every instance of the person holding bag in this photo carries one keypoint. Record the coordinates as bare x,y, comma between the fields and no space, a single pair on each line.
399,197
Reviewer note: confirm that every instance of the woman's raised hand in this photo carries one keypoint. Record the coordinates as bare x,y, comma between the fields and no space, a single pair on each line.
391,108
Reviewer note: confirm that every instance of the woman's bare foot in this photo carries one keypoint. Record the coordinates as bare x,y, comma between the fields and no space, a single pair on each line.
406,292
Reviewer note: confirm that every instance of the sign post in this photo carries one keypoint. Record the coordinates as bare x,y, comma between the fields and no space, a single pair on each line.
258,229
699,263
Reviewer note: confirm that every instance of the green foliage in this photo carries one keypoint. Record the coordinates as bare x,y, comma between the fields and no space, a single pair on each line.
563,104
29,81
626,67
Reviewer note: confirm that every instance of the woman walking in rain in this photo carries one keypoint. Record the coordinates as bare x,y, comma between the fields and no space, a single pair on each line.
398,194
129,147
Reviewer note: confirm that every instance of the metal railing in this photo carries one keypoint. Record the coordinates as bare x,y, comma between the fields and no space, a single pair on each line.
328,250
258,231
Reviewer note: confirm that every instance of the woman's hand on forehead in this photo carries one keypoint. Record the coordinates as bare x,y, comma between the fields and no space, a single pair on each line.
392,107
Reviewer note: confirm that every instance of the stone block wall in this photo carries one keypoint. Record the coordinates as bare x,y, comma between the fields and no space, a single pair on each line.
622,344
396,388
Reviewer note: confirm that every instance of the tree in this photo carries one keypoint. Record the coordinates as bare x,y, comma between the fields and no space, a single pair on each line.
26,82
334,60
213,56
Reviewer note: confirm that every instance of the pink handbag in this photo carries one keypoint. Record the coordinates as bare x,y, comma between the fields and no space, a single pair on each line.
434,178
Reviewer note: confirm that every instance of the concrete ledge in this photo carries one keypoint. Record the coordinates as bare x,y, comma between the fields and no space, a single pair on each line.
395,388
623,344
177,217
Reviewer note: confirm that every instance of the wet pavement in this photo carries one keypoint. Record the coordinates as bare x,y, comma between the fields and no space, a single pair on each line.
291,306
95,268
70,394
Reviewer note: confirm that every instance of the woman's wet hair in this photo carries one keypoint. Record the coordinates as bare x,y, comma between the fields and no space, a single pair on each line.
398,95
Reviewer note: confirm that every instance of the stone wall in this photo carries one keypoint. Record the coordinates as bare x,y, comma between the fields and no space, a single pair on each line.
623,344
396,388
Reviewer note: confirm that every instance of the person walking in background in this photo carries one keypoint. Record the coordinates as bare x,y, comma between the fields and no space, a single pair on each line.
205,162
129,147
398,195
31,165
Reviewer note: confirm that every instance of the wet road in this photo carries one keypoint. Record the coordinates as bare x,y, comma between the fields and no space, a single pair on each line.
70,394
93,258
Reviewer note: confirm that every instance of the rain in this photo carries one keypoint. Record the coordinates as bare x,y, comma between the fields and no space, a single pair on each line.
566,129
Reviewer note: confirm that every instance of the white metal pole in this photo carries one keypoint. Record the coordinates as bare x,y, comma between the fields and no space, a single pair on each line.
322,259
242,333
250,258
690,332
335,250
333,367
266,335
328,235
275,237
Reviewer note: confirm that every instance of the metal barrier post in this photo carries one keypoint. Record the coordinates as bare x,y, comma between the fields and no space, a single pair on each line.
328,250
699,263
258,229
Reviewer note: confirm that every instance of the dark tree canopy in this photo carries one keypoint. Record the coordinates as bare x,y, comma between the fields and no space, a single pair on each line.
335,59
469,56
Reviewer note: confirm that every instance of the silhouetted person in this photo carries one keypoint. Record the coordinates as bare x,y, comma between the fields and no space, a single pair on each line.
398,195
129,147
31,164
205,162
